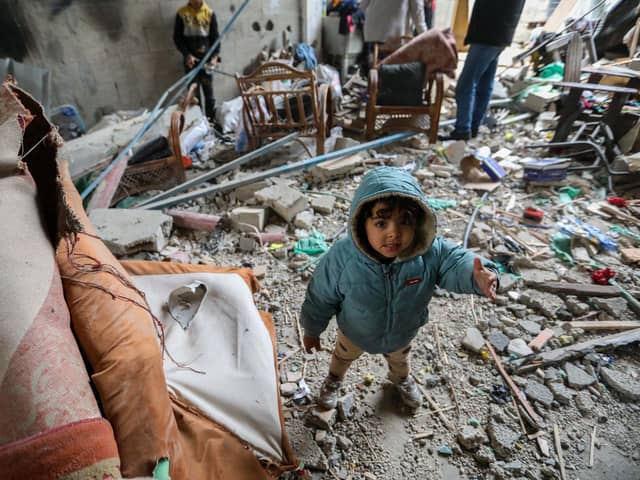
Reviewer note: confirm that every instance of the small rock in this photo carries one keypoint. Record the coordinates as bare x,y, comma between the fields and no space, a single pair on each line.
625,385
512,333
345,406
575,306
343,442
516,467
323,419
519,348
484,456
323,204
475,379
304,220
445,450
503,439
538,392
561,393
431,380
473,340
578,378
498,340
566,340
369,476
530,327
508,282
288,389
552,375
470,438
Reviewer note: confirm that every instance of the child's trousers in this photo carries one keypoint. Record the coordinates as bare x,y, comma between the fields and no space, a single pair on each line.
345,352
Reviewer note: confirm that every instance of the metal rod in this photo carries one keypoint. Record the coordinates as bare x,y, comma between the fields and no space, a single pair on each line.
154,115
168,202
516,118
220,170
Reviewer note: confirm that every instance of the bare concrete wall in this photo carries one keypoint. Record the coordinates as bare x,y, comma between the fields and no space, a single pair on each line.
108,55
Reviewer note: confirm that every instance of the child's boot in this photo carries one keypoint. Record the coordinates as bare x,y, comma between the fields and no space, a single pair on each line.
328,398
409,392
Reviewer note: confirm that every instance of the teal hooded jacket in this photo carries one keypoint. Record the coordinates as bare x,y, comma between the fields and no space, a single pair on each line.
380,307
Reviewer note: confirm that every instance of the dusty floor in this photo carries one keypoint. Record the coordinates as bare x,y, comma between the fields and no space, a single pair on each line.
380,439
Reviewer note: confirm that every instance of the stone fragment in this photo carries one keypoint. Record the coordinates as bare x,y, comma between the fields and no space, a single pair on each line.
530,327
304,220
471,438
484,456
285,201
575,306
323,419
247,192
538,392
473,340
584,403
128,231
336,168
247,244
288,389
546,303
512,332
532,276
543,444
323,204
445,450
343,442
249,219
508,282
616,307
305,447
561,393
577,377
625,385
498,340
503,439
519,348
345,406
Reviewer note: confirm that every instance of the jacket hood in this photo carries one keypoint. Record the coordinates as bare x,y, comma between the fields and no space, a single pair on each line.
386,182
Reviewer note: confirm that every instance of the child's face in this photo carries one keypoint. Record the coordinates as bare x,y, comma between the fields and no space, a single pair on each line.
390,231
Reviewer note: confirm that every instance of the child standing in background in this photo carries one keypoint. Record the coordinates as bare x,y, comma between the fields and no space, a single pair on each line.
379,279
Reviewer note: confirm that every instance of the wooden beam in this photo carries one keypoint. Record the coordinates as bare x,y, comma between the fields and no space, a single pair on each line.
578,289
605,325
514,388
104,193
561,355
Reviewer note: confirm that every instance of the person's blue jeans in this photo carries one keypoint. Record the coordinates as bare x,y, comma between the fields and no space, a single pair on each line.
475,86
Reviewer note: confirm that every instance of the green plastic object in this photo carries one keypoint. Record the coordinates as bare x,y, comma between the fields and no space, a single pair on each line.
161,471
312,245
570,191
561,245
441,204
555,68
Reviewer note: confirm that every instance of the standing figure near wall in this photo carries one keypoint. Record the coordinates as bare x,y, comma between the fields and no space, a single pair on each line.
195,31
491,28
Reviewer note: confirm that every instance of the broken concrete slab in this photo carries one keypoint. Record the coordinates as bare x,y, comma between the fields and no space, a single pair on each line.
473,340
306,448
336,168
577,378
530,327
538,392
285,201
503,439
625,385
546,303
323,204
304,220
519,348
247,192
532,276
128,231
323,419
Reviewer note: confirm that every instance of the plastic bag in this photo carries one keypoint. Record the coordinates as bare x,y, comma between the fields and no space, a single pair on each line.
330,75
312,245
190,138
228,115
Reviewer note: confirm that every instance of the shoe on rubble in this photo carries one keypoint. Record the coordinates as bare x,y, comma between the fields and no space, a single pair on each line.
409,392
328,398
456,135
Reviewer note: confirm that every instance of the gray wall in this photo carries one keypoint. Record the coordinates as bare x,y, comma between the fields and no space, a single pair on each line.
109,55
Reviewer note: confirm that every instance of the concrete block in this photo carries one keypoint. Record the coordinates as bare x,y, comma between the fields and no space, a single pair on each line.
304,220
538,101
244,216
247,244
323,204
286,201
336,168
247,192
128,231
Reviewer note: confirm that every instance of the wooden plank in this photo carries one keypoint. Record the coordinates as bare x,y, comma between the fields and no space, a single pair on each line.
579,289
514,388
556,438
605,325
541,340
460,23
559,15
561,355
103,195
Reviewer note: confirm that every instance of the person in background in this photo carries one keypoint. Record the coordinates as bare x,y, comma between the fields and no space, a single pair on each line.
379,279
195,31
429,12
389,19
491,28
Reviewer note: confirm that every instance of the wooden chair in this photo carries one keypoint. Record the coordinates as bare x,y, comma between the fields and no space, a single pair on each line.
279,99
158,174
423,117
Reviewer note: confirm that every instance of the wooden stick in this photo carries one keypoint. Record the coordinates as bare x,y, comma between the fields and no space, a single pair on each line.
431,412
288,356
443,418
427,434
556,438
514,389
605,325
593,442
524,429
436,335
366,438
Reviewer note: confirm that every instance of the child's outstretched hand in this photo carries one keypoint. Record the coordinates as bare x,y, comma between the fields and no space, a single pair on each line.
310,343
485,278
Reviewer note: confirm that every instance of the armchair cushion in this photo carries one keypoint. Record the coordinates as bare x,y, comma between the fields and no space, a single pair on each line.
401,84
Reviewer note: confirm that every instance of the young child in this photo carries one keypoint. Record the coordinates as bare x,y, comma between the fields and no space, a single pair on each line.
379,279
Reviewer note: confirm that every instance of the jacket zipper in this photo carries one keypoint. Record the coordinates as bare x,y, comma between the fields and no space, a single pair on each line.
388,291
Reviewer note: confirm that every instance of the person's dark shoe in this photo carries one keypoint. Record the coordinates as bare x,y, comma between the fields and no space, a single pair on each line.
328,398
456,135
409,392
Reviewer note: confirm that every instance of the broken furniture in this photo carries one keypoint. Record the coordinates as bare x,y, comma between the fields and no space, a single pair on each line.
403,97
158,174
279,99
